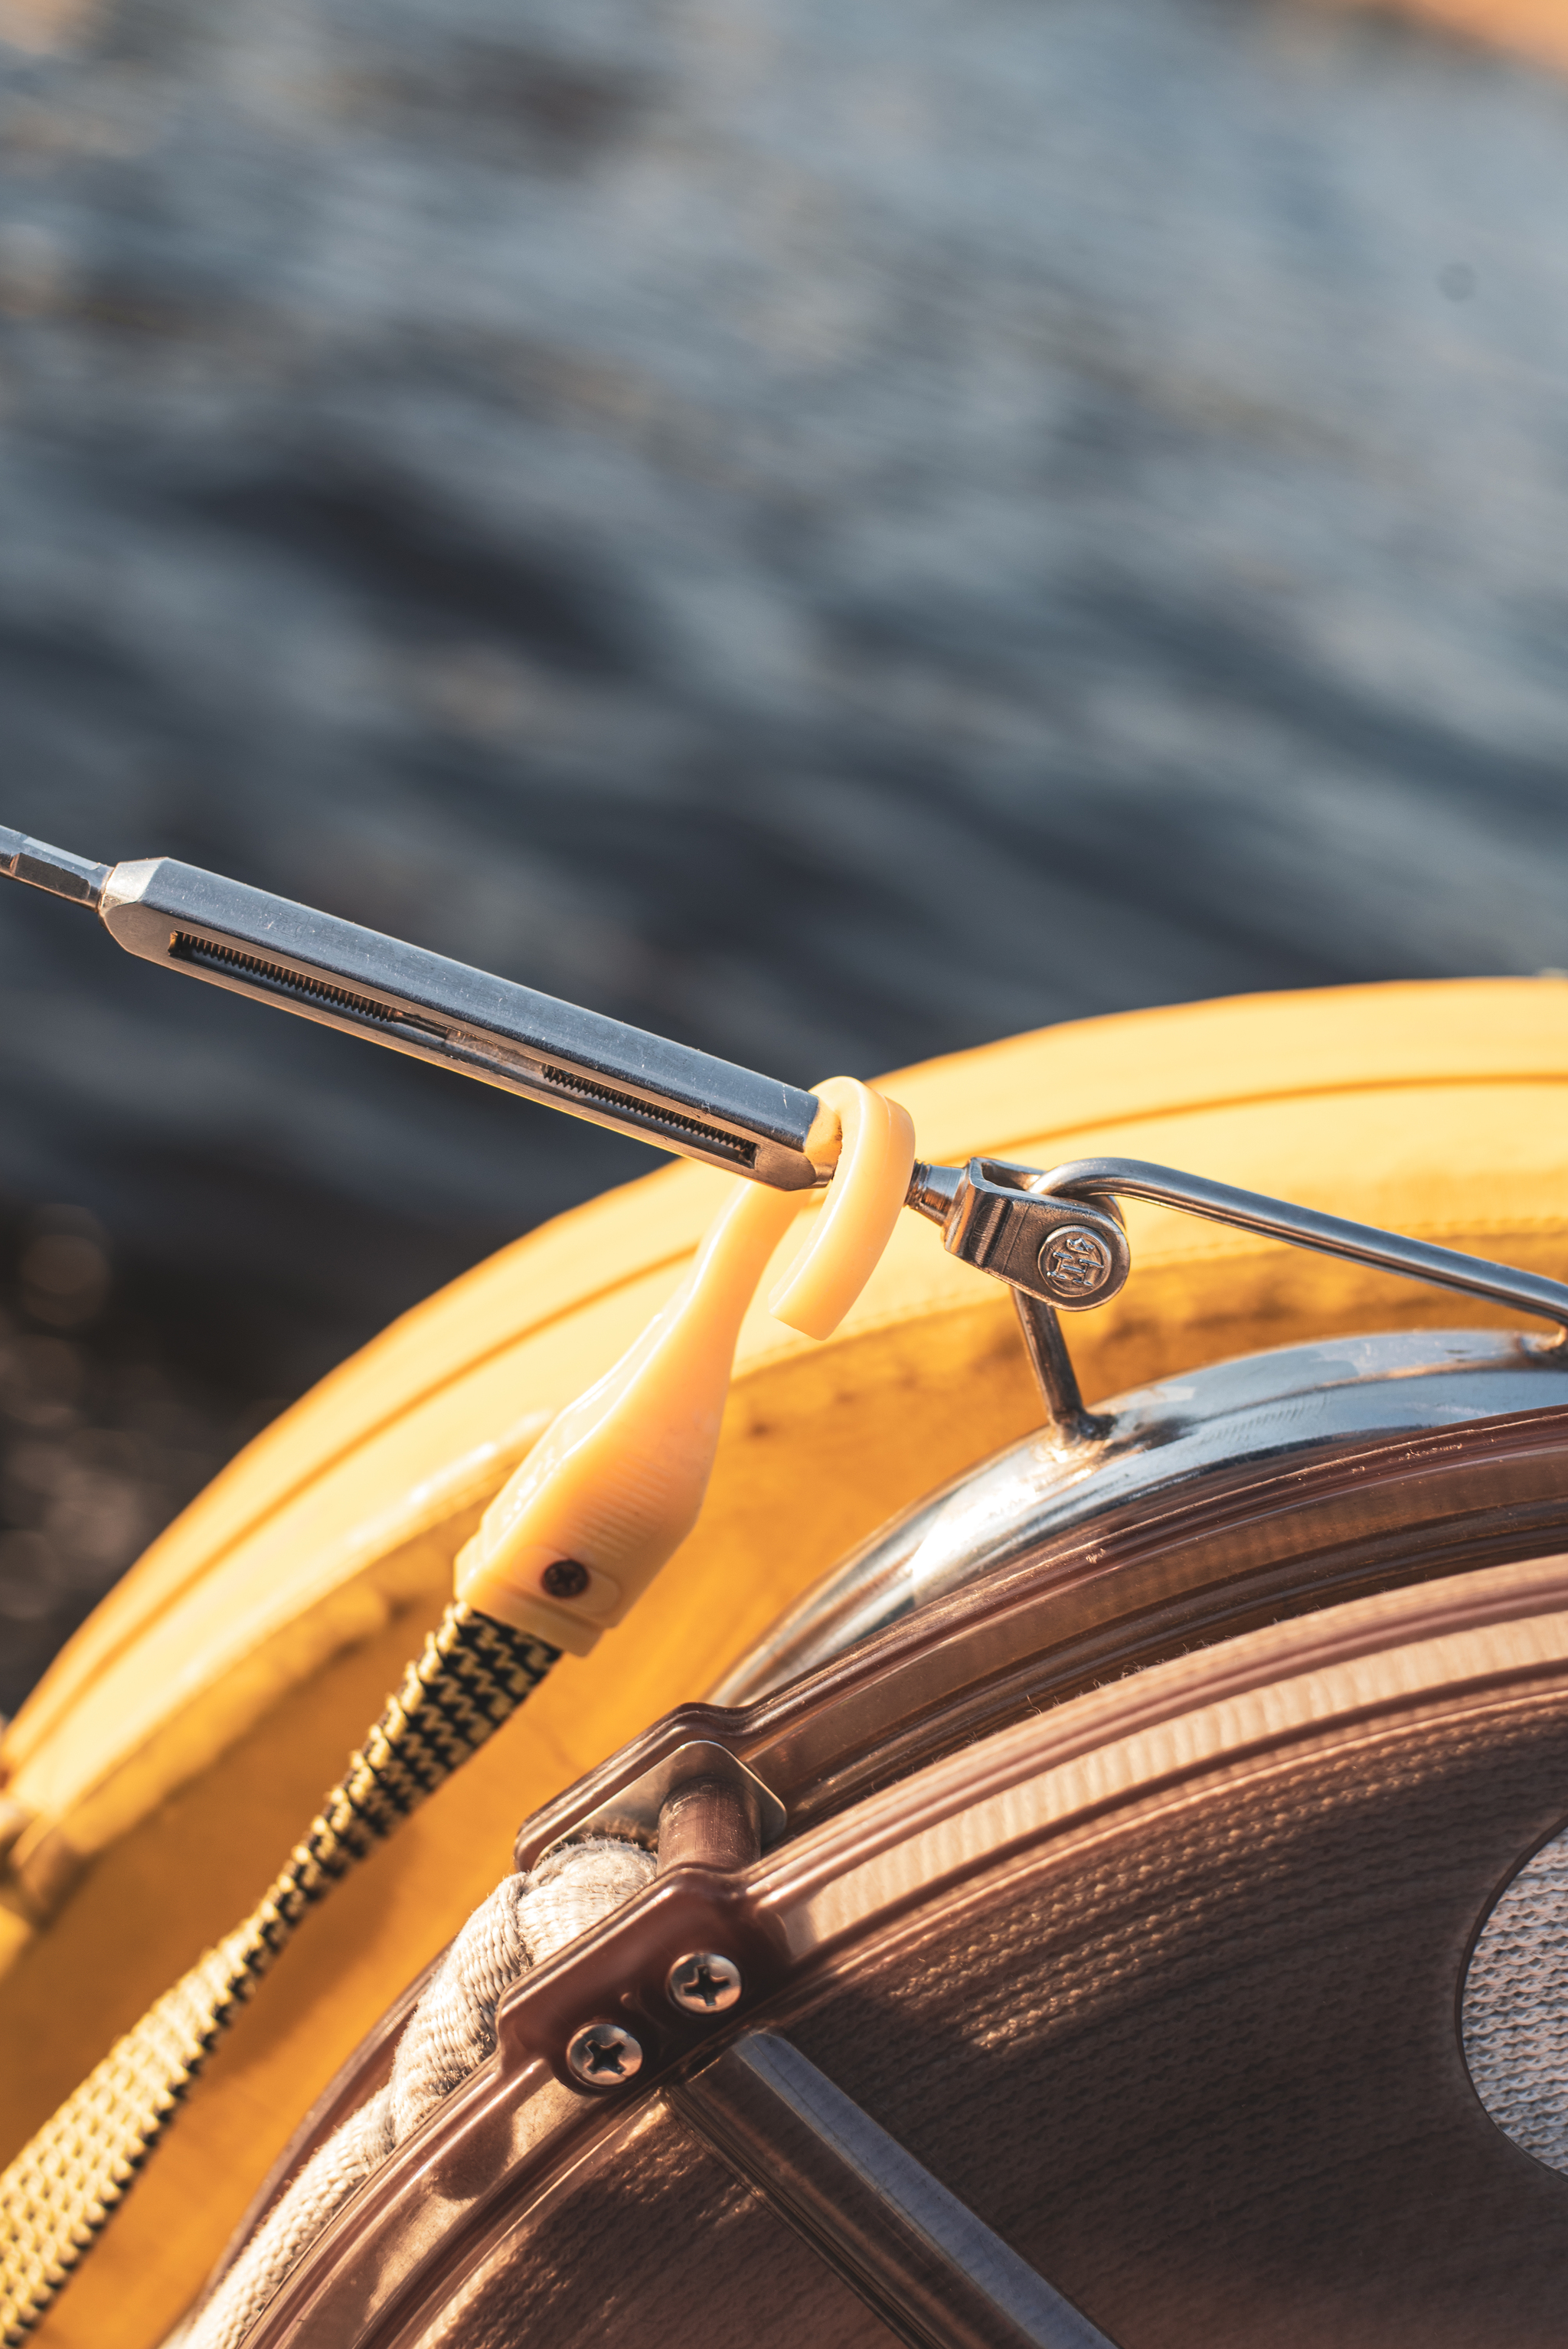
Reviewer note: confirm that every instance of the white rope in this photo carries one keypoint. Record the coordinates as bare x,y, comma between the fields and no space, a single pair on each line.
1515,2029
451,2031
1516,2008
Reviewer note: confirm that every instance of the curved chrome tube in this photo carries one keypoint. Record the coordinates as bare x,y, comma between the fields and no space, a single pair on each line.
1280,1219
1270,1416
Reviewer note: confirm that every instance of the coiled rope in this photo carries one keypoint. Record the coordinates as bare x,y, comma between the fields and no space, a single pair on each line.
451,2031
64,2184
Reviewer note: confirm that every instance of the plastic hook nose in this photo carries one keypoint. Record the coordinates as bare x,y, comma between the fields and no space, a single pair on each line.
871,1182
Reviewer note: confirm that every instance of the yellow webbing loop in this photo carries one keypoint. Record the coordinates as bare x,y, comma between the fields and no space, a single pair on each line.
64,2184
613,1487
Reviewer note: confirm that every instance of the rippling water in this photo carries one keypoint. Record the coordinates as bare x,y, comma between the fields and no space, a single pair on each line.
833,532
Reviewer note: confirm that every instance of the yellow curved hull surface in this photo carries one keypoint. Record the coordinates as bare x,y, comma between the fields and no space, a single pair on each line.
180,1742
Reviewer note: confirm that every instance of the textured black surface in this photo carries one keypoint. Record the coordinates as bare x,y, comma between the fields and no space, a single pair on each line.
657,2247
834,532
1205,2074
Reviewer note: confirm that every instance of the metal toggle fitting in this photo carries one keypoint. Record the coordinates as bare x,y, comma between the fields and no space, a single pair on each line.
1064,1252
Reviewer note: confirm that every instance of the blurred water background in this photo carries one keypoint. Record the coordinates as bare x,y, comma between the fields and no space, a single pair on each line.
833,532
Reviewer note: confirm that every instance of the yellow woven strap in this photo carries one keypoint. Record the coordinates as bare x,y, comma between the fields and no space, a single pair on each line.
64,2184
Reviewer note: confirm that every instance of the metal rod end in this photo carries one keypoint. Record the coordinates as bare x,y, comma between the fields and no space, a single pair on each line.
932,1189
55,869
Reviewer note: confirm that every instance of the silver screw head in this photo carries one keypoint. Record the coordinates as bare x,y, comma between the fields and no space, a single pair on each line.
1075,1262
603,2055
703,1983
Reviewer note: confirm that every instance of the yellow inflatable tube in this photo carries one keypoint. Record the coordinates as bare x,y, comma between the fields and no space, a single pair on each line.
171,1756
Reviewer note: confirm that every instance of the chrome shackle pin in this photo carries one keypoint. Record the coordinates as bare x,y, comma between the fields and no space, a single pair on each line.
1022,1224
1001,1219
1055,1236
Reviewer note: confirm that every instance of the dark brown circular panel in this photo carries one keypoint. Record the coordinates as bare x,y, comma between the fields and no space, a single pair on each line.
1162,1984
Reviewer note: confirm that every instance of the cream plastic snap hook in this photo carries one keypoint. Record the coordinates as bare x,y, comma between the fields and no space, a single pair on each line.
616,1482
870,1183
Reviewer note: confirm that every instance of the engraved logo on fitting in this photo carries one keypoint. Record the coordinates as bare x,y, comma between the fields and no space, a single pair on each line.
1075,1262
